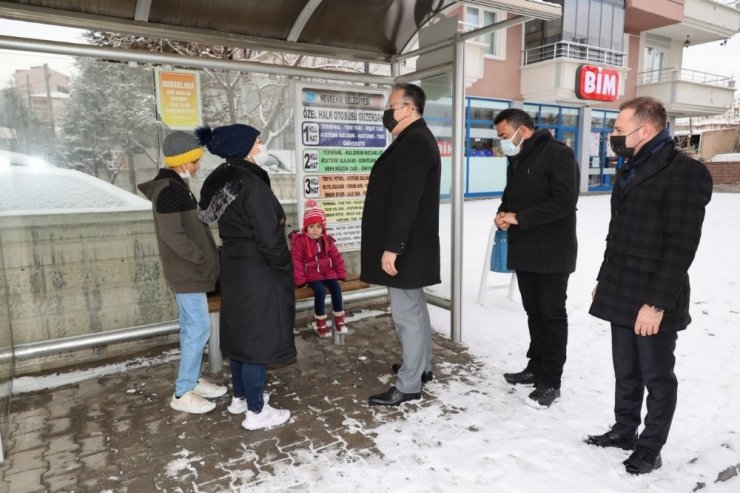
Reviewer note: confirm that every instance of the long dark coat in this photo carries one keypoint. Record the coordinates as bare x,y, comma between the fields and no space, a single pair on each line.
654,232
542,189
401,212
257,292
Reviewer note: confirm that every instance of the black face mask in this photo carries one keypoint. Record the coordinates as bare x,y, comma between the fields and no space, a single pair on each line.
619,146
388,121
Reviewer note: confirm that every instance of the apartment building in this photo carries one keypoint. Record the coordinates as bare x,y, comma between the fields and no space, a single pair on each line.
572,73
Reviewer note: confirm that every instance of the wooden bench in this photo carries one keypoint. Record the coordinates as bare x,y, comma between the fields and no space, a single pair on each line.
215,360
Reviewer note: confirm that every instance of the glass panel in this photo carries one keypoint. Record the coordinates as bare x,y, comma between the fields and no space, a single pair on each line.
582,22
594,23
438,114
472,20
490,38
549,115
611,118
569,117
78,239
568,137
485,110
597,119
569,20
7,358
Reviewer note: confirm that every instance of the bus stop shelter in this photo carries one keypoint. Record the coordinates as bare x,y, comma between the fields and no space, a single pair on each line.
381,32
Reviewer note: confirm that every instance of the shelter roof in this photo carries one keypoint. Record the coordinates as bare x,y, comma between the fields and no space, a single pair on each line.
363,30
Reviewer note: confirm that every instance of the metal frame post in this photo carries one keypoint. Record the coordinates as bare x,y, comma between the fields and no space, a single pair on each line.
458,188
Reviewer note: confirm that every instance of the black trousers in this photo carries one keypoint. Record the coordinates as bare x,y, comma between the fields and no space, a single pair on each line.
543,297
644,362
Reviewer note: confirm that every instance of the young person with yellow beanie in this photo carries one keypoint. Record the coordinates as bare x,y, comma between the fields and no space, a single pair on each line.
190,264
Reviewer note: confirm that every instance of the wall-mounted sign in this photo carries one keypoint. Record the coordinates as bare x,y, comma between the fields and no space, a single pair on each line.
597,83
339,136
178,98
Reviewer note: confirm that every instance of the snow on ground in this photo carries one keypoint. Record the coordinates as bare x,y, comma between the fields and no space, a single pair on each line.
480,435
495,442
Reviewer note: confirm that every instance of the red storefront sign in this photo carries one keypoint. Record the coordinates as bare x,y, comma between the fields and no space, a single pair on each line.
597,83
445,148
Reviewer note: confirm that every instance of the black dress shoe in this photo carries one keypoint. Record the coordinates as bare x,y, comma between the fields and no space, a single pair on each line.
524,377
392,397
426,376
544,395
612,439
642,461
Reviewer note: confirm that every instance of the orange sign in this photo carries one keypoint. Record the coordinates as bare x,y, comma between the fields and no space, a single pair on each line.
178,98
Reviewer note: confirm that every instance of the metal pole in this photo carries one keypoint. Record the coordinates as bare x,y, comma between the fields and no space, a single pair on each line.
72,49
458,188
85,341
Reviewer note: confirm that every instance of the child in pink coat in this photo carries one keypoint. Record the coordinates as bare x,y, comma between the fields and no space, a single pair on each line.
318,264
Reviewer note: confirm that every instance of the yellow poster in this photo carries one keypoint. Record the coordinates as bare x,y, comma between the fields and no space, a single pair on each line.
178,98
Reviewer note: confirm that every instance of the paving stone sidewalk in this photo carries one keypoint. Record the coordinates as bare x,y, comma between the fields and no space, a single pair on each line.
117,433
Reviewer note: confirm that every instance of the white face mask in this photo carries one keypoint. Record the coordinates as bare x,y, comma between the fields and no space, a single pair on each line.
508,147
262,157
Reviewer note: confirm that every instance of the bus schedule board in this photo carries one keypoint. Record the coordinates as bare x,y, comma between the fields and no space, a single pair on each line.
339,136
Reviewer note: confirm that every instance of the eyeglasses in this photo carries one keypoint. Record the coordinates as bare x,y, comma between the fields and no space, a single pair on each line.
399,104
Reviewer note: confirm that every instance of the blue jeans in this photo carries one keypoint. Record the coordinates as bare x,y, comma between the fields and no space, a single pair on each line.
195,328
319,295
248,380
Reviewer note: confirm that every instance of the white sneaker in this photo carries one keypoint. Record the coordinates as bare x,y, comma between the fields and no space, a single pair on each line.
239,406
268,418
209,390
192,403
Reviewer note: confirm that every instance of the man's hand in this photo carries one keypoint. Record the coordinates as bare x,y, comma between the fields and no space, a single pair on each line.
388,263
499,221
505,219
648,321
593,292
510,218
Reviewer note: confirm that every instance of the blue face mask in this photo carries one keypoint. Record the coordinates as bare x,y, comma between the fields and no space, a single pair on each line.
508,147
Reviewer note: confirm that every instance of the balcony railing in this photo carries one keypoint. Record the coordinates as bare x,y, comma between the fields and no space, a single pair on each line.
686,75
577,51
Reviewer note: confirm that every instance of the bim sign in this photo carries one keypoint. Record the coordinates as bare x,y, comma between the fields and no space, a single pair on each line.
601,84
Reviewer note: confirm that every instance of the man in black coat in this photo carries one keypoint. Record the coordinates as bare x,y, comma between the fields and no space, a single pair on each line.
400,235
657,211
538,208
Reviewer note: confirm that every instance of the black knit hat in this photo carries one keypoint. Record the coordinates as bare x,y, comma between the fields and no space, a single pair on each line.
230,141
180,148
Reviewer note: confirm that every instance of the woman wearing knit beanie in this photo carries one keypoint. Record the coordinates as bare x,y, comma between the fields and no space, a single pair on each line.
257,294
318,263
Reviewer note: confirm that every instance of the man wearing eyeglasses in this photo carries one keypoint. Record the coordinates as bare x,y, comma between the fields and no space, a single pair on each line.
657,211
400,236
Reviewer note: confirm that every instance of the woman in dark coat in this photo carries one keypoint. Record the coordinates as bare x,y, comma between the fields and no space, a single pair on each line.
257,295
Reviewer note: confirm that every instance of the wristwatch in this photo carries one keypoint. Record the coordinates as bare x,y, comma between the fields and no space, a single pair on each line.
656,309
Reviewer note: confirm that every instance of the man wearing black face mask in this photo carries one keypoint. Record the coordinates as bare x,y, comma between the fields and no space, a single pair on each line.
657,209
400,236
538,208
